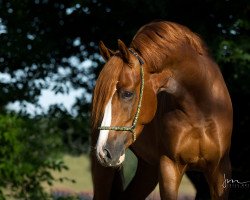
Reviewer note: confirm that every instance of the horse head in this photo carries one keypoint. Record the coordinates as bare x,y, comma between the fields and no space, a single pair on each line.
124,101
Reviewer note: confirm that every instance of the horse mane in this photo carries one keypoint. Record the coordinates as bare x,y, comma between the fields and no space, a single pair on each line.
157,41
154,42
104,88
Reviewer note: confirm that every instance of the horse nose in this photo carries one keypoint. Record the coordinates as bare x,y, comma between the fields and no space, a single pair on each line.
107,154
110,156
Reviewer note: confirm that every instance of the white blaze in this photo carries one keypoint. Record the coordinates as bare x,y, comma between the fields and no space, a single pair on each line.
103,136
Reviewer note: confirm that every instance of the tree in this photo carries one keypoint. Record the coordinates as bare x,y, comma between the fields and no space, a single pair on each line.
28,155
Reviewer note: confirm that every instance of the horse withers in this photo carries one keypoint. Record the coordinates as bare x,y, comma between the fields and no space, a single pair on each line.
165,99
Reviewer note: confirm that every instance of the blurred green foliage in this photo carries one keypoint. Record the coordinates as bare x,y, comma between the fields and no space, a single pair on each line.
28,154
74,130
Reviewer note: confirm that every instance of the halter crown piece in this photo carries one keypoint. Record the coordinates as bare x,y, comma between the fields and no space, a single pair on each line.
135,120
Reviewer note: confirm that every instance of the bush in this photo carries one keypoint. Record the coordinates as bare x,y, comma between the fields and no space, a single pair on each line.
28,154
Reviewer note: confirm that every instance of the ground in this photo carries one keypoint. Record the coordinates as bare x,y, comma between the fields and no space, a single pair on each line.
79,171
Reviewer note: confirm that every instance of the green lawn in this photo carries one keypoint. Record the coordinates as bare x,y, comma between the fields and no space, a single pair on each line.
79,170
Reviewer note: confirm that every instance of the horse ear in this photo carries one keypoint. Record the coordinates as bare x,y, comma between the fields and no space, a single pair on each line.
124,50
105,52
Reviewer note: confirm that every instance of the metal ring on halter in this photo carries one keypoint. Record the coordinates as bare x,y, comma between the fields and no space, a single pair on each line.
135,120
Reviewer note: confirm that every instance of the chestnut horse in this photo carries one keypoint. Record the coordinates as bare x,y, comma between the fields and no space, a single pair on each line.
165,99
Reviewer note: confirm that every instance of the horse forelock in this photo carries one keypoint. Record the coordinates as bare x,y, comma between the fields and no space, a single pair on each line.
160,40
104,89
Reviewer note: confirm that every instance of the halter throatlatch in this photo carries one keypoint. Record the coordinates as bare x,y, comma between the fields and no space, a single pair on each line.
135,120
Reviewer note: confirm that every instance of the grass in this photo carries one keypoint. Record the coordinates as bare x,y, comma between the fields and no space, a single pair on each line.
79,170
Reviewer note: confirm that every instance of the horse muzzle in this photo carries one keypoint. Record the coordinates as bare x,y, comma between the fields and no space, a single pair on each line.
111,156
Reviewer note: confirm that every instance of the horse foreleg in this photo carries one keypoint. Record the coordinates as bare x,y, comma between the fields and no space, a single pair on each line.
107,182
217,178
169,178
200,183
143,183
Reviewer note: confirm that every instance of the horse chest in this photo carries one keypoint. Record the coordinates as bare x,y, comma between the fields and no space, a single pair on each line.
146,146
192,145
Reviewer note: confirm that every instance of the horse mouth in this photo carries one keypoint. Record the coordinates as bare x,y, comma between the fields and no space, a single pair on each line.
110,162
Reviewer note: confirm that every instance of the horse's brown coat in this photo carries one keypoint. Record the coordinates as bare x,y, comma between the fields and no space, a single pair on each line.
186,117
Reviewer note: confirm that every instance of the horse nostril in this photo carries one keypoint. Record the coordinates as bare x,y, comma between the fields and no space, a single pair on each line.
107,153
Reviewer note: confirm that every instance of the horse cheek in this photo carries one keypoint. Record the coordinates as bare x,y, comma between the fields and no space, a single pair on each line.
149,107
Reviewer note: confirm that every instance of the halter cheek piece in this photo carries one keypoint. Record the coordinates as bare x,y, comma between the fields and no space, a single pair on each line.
135,120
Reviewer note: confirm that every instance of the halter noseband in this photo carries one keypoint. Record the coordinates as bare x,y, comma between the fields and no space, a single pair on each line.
135,120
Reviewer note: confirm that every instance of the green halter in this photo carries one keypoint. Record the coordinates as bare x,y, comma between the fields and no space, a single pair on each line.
135,120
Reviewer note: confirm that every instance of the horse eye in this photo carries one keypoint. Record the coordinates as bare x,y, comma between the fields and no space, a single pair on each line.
127,95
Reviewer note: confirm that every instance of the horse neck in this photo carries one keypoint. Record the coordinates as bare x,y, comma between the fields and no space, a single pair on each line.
194,76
